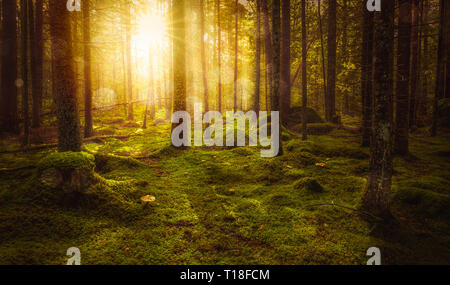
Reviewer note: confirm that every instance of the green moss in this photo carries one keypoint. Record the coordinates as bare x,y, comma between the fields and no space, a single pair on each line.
426,202
308,184
67,161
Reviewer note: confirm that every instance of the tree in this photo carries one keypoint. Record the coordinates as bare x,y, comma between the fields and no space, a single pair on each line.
376,199
8,95
413,77
129,61
366,75
304,75
88,129
256,105
24,63
37,59
236,55
179,54
276,26
330,101
69,138
219,57
403,71
203,56
322,53
440,68
285,87
268,45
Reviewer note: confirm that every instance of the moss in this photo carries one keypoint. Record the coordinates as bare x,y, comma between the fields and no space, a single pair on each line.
425,202
316,129
309,184
67,161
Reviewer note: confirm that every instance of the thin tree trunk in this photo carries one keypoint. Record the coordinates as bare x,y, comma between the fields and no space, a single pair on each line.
323,55
37,47
330,112
219,56
256,104
366,75
401,143
24,62
376,199
69,138
285,84
203,56
414,61
236,55
129,62
422,110
88,128
268,45
276,26
10,122
440,68
304,75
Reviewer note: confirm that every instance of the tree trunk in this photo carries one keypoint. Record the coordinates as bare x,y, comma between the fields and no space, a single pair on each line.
401,143
422,105
219,57
366,75
129,62
24,62
203,56
285,84
323,53
440,68
69,138
376,199
236,54
8,94
330,101
276,26
304,75
88,129
256,104
268,45
179,54
414,61
37,49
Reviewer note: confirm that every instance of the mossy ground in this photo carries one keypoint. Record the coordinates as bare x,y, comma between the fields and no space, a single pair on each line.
227,205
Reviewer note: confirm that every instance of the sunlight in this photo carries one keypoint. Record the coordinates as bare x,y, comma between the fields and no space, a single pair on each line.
151,31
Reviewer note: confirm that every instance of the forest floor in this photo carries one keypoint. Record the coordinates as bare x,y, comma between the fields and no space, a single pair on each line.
226,205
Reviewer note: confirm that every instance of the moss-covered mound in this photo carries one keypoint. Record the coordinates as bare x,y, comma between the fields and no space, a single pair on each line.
308,184
426,202
295,116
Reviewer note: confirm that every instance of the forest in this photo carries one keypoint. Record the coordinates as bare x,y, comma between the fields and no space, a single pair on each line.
354,95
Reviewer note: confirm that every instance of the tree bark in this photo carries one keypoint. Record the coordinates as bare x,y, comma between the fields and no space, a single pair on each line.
219,56
366,75
203,56
129,61
330,105
285,84
276,26
414,61
376,199
236,54
256,104
37,59
24,62
179,54
268,45
88,129
323,54
10,122
304,75
69,138
401,143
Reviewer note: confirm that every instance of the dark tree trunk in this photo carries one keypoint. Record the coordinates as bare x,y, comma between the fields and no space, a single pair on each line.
256,104
366,75
422,105
414,61
236,54
304,77
330,101
401,145
179,54
376,199
323,54
8,94
285,84
268,45
276,26
24,62
440,67
69,138
88,129
219,57
203,56
37,59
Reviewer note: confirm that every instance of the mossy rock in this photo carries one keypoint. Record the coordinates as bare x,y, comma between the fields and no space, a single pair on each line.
308,184
69,171
424,202
295,116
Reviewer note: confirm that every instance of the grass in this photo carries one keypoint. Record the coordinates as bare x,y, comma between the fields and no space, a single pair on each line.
226,205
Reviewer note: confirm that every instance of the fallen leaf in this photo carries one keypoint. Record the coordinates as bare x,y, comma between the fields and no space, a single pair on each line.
320,164
148,199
